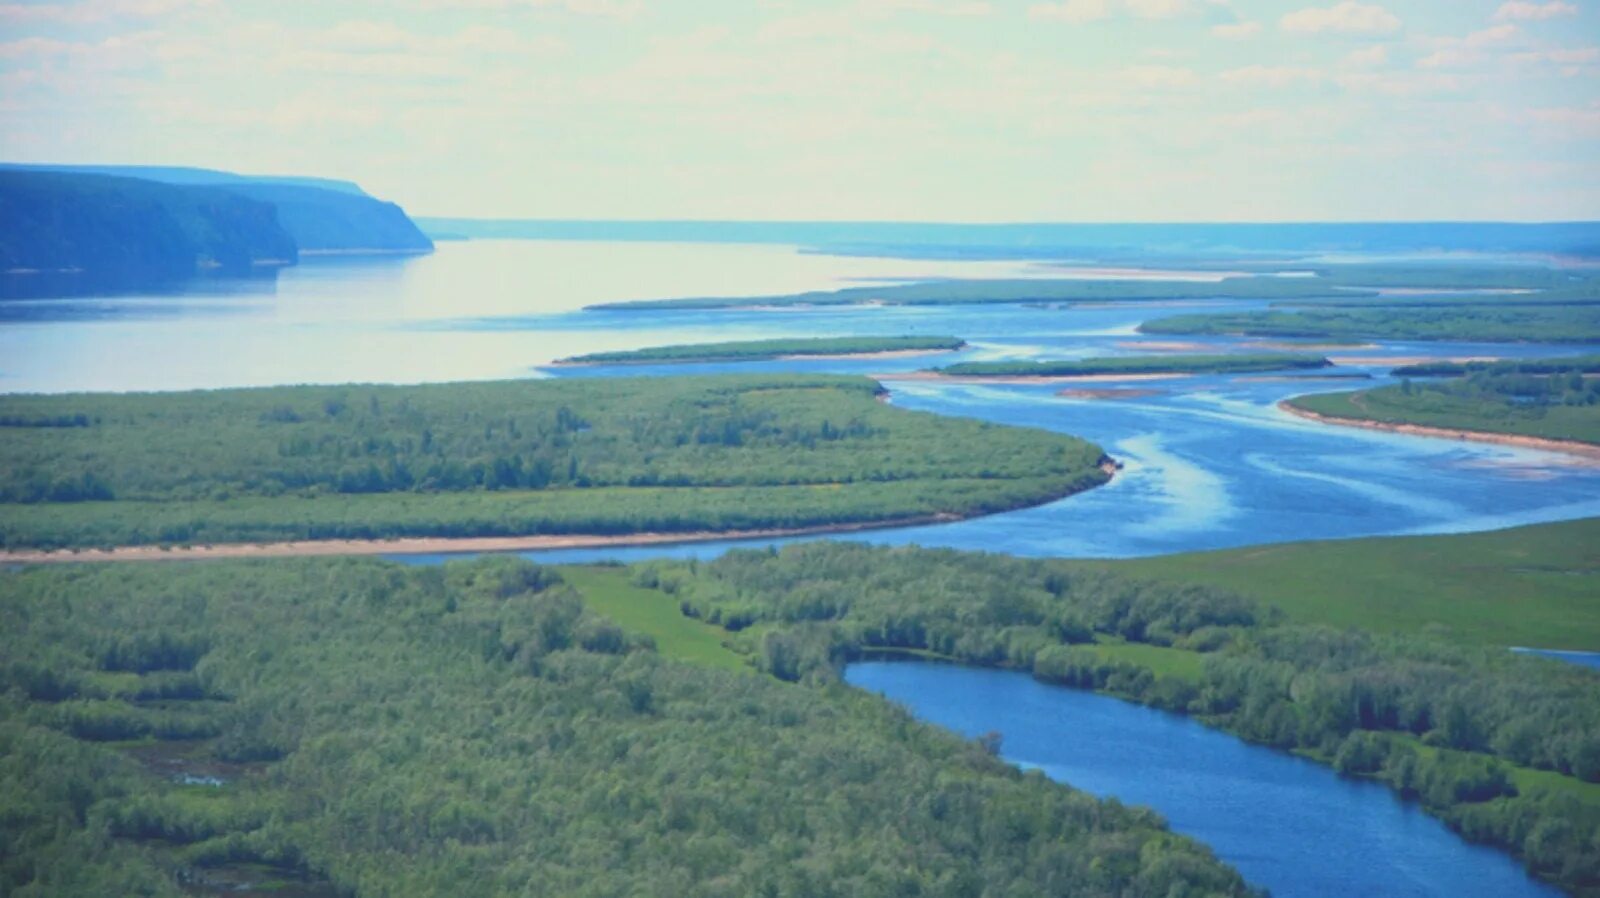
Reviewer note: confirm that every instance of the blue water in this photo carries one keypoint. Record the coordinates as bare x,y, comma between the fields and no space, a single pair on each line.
1582,659
1288,824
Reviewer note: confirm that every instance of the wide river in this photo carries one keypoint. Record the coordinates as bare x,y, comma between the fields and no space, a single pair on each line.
1210,462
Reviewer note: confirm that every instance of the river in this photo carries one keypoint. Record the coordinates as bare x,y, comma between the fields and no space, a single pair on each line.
1286,823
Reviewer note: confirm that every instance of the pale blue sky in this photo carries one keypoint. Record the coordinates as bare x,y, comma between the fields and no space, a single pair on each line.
976,110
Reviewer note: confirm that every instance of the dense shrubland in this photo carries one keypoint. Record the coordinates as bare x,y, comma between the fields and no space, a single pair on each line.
1236,363
1465,322
756,350
358,727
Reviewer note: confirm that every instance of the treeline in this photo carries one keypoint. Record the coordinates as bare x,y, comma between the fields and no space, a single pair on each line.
756,350
364,728
1564,405
1151,364
500,458
1583,364
1467,323
1457,728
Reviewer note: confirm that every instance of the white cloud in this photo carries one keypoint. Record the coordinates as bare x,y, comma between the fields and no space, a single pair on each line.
1080,11
1348,17
1158,77
607,9
1157,9
956,8
1073,11
1366,57
1468,51
1525,11
1271,76
1237,31
87,12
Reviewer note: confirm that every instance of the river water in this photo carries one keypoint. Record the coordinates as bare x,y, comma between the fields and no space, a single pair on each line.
1209,462
1286,823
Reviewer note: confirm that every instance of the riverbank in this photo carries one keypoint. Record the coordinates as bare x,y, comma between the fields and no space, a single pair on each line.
775,357
1588,451
1024,378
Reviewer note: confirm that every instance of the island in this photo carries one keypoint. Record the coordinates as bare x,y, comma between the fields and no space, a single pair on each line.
524,464
764,350
1542,404
1501,322
1135,366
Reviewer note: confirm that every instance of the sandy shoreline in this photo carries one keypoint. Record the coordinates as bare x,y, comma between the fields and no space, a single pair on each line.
1587,451
437,545
464,545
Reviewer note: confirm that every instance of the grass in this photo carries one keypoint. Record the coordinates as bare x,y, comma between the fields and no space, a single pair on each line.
1160,660
1528,780
1535,586
608,591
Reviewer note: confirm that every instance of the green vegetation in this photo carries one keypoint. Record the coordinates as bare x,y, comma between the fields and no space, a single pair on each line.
1141,364
610,592
757,350
1583,364
1529,586
1560,406
336,727
933,293
1504,748
508,458
1466,323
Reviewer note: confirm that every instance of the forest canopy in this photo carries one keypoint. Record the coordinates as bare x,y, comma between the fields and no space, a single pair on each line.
506,458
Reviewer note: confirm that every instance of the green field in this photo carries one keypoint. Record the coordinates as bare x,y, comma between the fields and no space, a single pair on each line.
1535,586
1136,364
758,350
610,592
527,457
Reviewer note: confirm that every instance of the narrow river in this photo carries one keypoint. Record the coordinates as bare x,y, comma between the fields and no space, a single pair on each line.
1288,824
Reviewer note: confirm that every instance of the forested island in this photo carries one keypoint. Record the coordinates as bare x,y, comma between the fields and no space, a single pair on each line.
1236,363
339,727
1504,748
1521,322
512,458
760,350
1544,400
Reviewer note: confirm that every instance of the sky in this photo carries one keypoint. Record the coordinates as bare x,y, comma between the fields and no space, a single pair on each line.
896,110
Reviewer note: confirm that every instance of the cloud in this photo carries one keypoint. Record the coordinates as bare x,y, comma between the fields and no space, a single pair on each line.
1367,57
86,12
1525,11
1271,76
1158,77
1072,11
1080,11
1469,50
605,9
1237,31
1348,17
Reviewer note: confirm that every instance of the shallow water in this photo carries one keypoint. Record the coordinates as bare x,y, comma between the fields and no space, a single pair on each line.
1286,823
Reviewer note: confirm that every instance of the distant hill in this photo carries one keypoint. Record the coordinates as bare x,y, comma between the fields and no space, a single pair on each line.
153,222
53,221
171,174
1103,242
